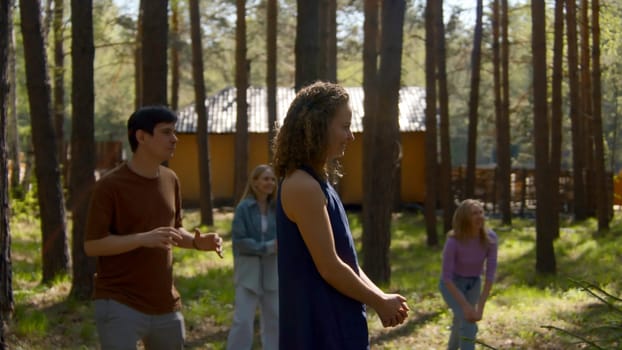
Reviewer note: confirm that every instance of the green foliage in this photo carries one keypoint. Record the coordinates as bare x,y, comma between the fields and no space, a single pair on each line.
115,33
24,204
31,322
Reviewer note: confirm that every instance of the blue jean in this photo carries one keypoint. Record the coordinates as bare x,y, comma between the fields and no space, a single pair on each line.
120,327
463,332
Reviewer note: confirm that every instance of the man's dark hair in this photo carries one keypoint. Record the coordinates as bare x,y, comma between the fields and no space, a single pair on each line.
145,119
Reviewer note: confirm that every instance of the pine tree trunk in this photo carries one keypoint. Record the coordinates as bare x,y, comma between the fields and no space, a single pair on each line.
13,131
59,83
55,253
602,199
6,273
271,82
431,156
386,153
154,52
578,153
586,113
371,206
82,141
445,190
175,44
308,48
138,58
476,59
328,40
545,254
205,177
504,158
556,113
241,84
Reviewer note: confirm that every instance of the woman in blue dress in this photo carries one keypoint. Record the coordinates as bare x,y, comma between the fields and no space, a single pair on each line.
322,289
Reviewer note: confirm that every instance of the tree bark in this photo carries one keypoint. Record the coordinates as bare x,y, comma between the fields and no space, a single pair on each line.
445,191
82,166
271,84
586,113
371,206
175,38
504,158
431,162
386,153
154,52
545,254
59,82
578,149
557,114
13,131
6,273
205,177
241,84
496,77
328,40
476,59
138,58
308,50
602,199
55,252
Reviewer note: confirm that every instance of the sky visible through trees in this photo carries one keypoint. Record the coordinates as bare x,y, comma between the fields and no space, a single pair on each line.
130,7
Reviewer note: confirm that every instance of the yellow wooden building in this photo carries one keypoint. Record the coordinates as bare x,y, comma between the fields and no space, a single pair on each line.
221,109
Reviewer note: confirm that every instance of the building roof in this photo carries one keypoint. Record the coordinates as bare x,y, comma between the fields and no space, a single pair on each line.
222,110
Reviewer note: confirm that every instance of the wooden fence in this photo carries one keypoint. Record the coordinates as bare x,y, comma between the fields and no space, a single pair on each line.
522,187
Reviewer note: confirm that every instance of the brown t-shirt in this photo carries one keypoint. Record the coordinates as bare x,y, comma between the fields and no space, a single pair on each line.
126,203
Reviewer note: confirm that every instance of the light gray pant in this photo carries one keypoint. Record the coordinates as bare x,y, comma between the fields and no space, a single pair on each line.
241,333
120,327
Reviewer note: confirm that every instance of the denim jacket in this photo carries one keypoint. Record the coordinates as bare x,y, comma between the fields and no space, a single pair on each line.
254,252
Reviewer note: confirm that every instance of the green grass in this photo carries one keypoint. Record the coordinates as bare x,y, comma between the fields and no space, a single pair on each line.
522,301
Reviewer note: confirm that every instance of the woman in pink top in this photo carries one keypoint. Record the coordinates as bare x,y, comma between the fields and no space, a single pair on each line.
468,246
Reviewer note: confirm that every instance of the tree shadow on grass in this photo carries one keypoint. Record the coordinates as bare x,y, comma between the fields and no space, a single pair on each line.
63,324
598,323
405,330
69,323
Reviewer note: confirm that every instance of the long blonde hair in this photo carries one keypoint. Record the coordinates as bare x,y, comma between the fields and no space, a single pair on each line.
462,223
249,190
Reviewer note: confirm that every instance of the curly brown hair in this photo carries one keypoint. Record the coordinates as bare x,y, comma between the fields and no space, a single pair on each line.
303,137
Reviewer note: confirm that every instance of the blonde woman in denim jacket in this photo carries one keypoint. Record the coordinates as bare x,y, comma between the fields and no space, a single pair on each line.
255,263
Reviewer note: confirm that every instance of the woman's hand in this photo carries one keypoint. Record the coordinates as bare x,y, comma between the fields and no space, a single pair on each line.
392,310
479,312
470,313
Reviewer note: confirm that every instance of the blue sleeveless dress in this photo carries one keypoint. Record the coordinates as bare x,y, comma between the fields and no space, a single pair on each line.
312,314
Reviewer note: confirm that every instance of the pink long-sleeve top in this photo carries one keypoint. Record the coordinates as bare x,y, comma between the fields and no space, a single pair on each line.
466,258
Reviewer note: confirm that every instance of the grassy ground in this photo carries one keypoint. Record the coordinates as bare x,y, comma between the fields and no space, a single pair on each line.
521,303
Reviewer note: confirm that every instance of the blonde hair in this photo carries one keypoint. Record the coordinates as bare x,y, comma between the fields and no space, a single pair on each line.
249,190
303,137
462,223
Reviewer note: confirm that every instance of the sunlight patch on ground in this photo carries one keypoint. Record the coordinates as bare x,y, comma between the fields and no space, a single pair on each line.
520,312
200,265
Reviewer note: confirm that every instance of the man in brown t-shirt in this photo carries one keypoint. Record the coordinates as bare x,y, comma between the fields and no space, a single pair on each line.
134,221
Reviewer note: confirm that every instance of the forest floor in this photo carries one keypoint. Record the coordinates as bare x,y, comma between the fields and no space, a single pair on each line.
525,310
